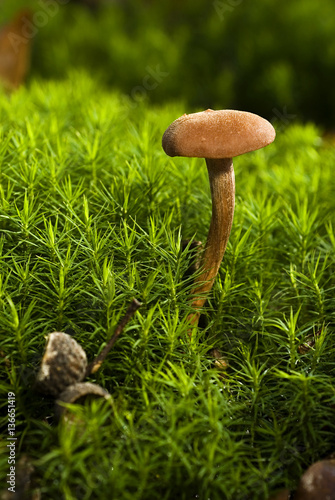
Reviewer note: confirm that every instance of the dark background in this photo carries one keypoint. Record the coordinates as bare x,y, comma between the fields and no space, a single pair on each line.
273,58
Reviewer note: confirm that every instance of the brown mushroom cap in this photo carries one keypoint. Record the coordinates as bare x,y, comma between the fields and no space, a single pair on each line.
217,134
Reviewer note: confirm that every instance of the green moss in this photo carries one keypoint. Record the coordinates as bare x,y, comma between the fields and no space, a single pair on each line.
92,214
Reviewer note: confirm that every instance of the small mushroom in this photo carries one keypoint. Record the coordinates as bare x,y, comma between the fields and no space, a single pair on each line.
64,363
79,393
217,136
318,482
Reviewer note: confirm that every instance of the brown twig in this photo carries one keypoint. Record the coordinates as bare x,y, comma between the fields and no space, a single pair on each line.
95,365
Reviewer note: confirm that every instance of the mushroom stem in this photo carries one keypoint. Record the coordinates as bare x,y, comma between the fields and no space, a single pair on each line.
222,184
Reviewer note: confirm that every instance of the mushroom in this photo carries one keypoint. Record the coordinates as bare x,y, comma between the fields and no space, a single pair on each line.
317,482
217,136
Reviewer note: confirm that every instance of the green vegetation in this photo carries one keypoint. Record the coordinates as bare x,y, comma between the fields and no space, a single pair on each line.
92,214
235,54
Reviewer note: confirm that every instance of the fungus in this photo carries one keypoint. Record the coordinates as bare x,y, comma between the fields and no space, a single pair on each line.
217,136
317,482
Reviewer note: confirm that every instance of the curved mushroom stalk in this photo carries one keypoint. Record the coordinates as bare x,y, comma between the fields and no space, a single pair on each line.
222,184
217,136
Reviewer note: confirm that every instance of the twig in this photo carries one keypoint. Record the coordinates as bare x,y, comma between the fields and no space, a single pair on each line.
95,365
